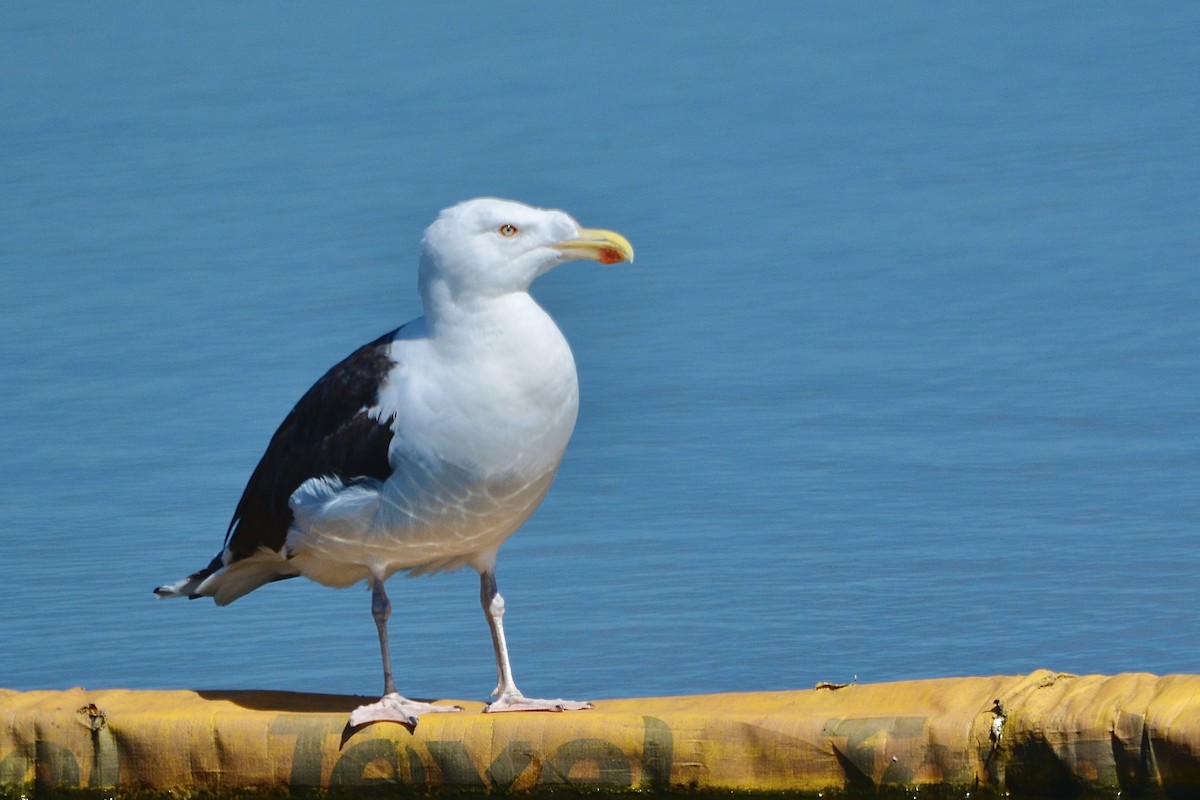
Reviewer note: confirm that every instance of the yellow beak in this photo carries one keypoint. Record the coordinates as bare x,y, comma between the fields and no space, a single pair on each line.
604,246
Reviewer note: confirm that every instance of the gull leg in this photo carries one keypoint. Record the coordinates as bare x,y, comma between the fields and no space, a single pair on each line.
392,707
381,610
508,696
493,608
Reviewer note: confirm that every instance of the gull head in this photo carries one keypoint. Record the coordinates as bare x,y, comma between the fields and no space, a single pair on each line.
489,247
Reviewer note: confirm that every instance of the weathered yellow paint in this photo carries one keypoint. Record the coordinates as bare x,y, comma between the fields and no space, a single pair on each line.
1061,734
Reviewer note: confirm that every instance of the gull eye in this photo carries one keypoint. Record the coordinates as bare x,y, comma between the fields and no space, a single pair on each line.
508,230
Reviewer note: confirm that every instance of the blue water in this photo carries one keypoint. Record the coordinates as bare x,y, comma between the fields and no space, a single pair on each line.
904,382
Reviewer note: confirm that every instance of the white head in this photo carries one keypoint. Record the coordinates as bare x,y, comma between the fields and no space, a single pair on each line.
487,247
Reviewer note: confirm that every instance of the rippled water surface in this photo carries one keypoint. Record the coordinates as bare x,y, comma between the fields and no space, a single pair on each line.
903,384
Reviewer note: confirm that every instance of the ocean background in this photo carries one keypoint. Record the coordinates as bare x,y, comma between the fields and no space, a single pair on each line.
904,383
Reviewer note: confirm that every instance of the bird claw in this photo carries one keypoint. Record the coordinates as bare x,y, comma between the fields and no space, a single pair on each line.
519,702
396,708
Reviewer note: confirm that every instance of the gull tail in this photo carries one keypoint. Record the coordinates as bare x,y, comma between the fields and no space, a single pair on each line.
226,582
189,587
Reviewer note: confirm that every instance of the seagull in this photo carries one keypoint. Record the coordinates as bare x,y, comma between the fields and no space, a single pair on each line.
424,450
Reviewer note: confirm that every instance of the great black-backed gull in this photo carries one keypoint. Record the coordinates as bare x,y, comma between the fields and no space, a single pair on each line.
424,450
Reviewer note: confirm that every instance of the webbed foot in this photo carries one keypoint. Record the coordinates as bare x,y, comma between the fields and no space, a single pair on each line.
515,701
396,708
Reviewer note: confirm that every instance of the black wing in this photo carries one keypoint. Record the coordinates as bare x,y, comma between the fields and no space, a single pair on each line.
328,433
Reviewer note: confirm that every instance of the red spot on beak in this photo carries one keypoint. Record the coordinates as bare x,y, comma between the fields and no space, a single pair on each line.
610,255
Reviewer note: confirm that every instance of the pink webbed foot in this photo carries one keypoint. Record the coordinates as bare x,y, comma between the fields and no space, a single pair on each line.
515,701
395,707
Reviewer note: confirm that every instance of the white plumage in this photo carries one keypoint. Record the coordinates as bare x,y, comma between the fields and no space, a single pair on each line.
427,448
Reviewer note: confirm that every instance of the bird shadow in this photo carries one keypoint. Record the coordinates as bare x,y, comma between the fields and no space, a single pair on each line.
301,703
286,702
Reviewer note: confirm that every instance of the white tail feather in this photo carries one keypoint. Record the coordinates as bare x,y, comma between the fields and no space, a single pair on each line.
226,583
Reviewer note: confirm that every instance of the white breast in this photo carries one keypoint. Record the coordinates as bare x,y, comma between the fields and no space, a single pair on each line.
481,417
